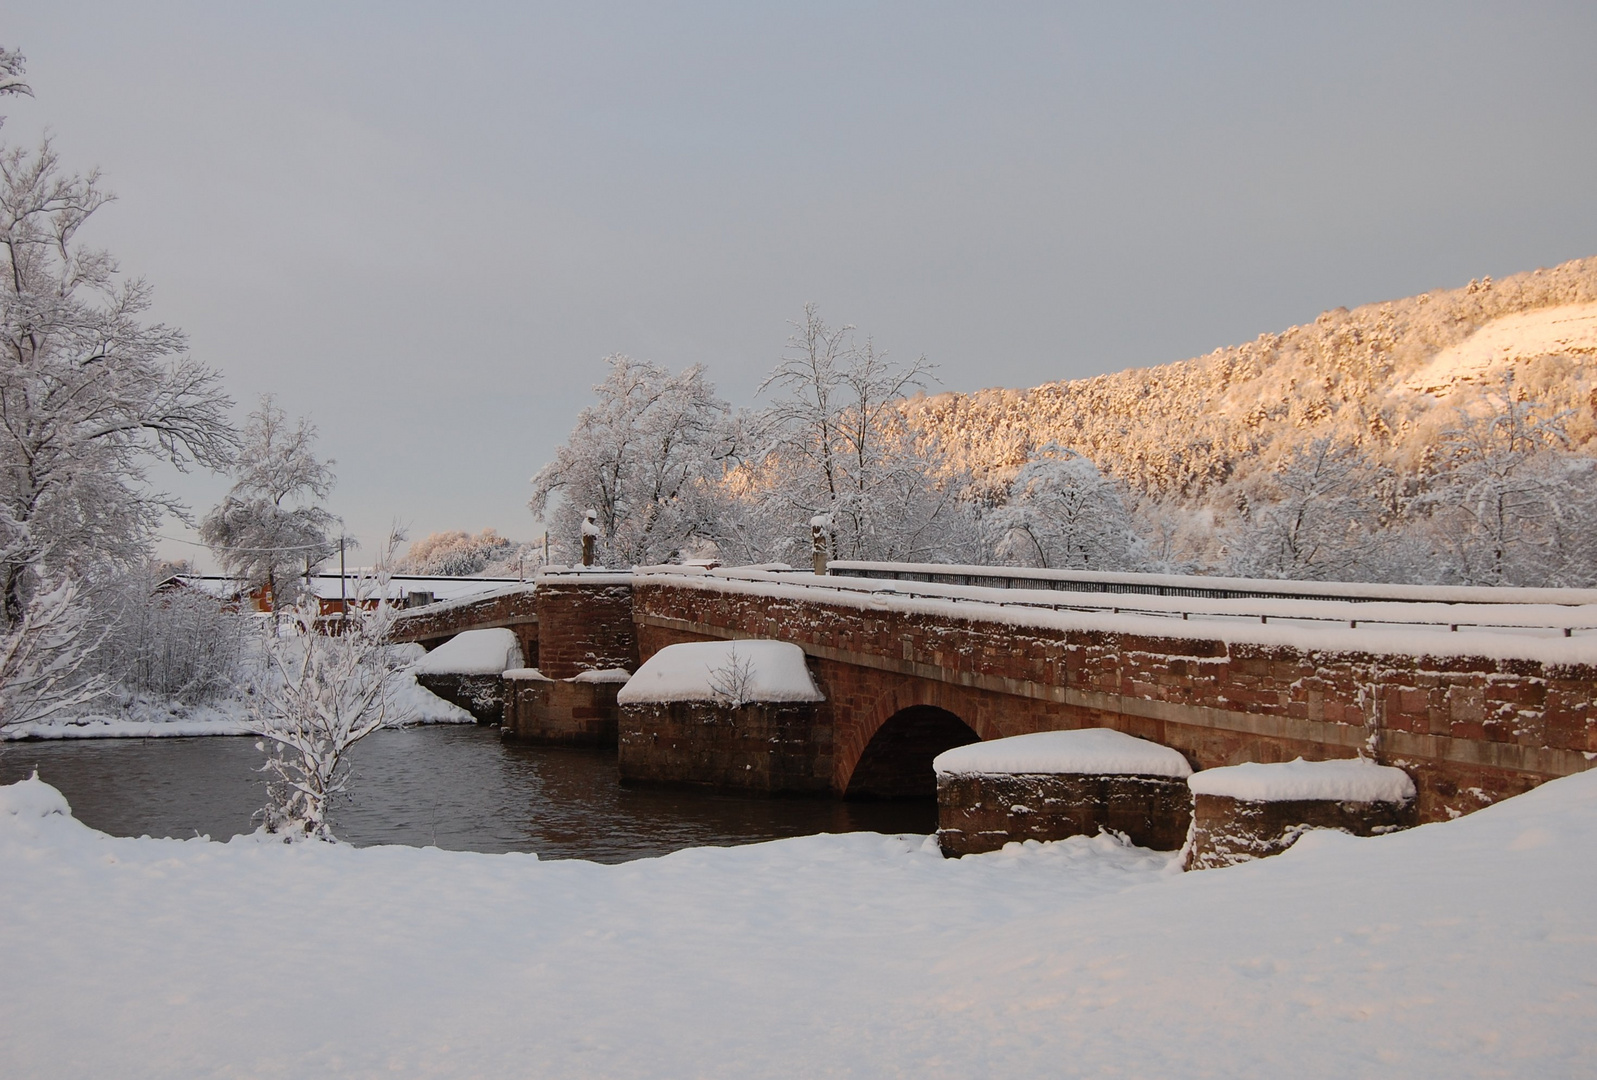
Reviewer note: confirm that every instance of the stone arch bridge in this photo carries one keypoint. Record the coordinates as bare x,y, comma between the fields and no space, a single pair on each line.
1478,693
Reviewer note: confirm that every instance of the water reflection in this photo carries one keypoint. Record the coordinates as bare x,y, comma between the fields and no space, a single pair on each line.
453,787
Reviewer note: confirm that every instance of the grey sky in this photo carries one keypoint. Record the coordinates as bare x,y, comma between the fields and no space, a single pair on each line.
425,226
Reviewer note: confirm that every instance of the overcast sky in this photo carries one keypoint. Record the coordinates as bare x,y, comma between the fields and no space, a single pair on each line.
425,226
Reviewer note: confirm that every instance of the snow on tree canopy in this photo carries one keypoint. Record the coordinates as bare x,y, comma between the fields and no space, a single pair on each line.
1087,751
474,652
738,671
1351,780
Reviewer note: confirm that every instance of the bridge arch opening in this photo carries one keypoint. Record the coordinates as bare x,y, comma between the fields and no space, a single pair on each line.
897,762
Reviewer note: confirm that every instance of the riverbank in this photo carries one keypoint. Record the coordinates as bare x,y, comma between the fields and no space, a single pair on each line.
1460,949
142,718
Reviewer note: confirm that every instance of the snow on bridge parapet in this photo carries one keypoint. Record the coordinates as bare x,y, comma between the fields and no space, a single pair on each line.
1563,633
512,605
1195,585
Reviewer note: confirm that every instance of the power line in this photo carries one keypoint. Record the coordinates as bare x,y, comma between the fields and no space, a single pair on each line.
250,550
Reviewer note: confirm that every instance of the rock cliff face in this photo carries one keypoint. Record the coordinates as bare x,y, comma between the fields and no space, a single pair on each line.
1388,376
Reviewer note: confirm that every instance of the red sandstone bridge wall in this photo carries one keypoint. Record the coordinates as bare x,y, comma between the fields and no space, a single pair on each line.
1471,730
586,624
437,623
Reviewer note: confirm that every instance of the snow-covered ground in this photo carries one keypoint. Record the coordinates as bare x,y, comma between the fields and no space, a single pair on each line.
1568,330
229,715
1456,950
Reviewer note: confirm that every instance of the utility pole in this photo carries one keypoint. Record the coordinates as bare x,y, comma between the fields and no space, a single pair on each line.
343,588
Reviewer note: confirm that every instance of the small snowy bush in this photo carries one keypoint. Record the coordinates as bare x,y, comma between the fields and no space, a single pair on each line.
324,691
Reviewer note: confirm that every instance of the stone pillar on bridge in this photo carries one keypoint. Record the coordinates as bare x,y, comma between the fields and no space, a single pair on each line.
588,646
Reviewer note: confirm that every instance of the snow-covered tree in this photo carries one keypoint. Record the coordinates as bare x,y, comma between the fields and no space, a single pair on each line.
42,656
836,445
12,63
646,458
322,693
1315,517
1063,513
271,523
455,553
89,392
90,395
1495,492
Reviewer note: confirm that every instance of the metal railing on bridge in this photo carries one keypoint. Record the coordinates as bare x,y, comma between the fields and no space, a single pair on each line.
1537,612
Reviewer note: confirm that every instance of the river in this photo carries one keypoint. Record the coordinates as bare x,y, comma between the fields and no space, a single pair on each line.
454,787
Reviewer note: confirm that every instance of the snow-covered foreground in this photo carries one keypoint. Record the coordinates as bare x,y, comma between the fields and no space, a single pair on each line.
1464,949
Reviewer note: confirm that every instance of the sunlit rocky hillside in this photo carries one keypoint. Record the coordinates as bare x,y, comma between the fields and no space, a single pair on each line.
1389,376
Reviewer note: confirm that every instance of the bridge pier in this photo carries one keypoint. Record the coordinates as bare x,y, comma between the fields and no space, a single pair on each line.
587,647
766,748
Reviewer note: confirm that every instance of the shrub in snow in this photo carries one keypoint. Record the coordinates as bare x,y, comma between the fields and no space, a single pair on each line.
177,645
324,692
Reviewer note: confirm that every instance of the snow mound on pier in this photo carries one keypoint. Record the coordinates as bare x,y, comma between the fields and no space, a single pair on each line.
722,670
1088,751
474,652
1352,780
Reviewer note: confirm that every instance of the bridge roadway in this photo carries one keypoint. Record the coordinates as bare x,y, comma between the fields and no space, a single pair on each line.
1479,694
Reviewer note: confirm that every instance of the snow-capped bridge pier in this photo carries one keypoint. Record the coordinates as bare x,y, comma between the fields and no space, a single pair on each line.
1479,694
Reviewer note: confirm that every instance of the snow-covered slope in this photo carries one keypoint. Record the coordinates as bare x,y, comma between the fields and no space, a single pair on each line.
1457,950
1387,375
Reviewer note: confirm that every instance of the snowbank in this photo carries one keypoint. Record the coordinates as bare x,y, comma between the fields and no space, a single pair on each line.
1090,751
474,652
530,674
1447,951
703,670
34,799
1350,780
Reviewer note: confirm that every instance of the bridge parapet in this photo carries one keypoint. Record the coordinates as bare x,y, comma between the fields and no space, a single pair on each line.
1477,700
1115,583
515,606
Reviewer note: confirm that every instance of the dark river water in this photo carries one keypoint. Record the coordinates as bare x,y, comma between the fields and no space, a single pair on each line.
454,787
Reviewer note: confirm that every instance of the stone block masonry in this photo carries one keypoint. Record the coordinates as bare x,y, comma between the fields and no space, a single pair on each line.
516,608
764,747
585,624
1227,831
541,711
977,813
480,695
1470,729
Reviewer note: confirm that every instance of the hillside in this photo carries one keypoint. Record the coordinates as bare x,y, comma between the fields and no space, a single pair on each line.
1388,376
